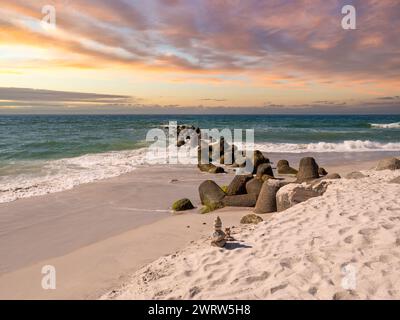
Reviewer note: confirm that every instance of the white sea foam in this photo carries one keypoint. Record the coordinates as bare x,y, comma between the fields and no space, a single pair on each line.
64,174
58,175
45,177
346,146
393,125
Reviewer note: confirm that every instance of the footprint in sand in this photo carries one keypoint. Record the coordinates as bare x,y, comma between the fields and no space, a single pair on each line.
277,288
368,231
265,275
348,239
344,230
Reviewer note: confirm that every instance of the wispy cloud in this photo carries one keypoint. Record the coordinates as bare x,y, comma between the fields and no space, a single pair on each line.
284,46
24,100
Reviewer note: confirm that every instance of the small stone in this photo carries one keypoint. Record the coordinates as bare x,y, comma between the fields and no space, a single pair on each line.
218,237
251,219
182,205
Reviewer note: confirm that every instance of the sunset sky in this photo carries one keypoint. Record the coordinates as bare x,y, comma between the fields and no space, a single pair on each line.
191,55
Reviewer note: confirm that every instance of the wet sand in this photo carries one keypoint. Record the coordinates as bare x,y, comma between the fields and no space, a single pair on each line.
96,233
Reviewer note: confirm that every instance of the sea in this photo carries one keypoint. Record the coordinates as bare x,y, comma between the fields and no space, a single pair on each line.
42,154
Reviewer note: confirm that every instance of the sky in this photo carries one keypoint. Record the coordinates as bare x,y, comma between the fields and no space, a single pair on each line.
199,56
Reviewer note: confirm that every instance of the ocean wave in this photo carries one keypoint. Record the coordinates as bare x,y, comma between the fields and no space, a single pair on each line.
40,178
345,146
393,125
64,174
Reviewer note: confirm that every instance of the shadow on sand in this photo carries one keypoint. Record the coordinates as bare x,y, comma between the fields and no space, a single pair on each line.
235,245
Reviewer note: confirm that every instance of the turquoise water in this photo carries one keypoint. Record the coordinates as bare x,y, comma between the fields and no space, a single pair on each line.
57,137
41,154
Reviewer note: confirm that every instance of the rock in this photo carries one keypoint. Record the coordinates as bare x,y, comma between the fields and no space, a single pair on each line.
264,168
308,170
216,169
211,194
210,168
238,185
355,175
322,171
180,143
218,237
182,205
284,168
206,167
258,159
254,186
395,180
228,236
388,164
266,177
266,201
295,193
282,163
251,219
241,200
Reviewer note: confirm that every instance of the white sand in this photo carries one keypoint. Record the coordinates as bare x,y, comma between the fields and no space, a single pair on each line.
343,245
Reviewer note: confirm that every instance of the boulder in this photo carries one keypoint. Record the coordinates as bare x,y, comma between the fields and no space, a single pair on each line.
282,163
258,159
295,193
216,169
251,219
241,200
264,168
266,177
395,180
388,164
266,201
254,186
211,194
322,171
206,167
355,175
308,170
238,185
284,168
182,205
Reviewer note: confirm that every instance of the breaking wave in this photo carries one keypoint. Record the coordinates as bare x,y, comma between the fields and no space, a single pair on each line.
394,125
345,146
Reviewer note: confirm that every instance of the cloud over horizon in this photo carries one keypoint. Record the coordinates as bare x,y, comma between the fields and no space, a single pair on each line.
284,50
24,100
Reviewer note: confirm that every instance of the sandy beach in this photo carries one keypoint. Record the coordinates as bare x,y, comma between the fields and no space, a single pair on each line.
98,234
343,245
